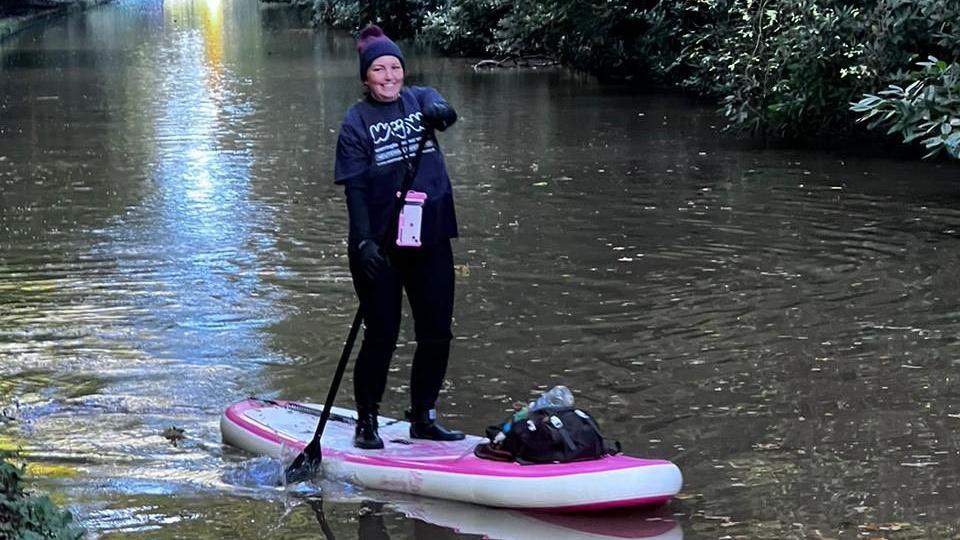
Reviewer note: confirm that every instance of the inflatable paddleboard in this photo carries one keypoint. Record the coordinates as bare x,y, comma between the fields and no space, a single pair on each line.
447,470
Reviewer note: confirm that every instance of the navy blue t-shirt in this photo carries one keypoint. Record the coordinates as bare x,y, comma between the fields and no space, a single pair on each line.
375,139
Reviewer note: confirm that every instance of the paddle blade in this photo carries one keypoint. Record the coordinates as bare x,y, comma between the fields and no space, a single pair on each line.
305,466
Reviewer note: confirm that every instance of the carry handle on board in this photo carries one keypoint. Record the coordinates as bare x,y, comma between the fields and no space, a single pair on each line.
308,462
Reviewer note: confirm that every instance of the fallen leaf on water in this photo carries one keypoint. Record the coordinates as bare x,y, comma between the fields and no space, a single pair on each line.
173,434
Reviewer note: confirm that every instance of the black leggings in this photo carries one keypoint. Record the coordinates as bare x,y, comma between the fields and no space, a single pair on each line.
426,274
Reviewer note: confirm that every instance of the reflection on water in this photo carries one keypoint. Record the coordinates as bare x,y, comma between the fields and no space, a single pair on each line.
434,519
782,324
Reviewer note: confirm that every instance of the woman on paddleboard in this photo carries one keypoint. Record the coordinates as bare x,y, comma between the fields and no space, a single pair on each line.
378,147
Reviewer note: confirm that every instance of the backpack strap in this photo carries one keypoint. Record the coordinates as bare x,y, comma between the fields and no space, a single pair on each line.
586,416
610,449
565,435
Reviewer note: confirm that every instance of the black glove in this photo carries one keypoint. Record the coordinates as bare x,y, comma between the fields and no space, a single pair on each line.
371,261
439,115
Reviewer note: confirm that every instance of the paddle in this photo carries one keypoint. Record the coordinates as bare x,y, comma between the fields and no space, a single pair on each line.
308,462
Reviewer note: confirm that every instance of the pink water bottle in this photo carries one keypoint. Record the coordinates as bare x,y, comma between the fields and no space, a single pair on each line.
411,216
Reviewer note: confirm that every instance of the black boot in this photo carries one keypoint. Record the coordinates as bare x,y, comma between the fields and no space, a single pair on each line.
366,435
423,425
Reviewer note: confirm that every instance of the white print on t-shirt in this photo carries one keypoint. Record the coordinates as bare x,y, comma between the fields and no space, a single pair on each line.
401,127
407,130
391,153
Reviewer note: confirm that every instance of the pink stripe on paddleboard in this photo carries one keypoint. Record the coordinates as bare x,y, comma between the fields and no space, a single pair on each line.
235,414
466,465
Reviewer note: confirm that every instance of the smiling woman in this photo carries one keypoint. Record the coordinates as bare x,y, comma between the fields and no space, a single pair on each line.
386,147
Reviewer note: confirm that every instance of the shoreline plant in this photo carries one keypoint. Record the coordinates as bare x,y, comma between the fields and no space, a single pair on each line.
26,516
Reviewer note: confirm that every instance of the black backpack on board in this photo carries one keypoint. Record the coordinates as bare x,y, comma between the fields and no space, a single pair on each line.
547,435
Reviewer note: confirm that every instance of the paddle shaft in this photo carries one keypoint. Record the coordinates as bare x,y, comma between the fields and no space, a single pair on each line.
312,451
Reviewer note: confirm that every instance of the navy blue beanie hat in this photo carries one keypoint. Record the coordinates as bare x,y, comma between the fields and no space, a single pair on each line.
372,45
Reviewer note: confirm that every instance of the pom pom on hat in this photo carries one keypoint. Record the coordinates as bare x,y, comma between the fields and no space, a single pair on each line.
373,44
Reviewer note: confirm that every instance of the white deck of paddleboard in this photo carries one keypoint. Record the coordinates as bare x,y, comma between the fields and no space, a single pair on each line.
449,470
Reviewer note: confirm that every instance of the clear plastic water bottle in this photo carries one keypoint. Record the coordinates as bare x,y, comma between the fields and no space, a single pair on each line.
558,396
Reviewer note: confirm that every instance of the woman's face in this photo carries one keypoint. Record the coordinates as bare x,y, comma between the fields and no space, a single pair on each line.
385,78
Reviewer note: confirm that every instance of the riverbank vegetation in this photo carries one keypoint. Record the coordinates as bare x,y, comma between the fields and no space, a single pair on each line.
26,516
14,8
16,15
783,68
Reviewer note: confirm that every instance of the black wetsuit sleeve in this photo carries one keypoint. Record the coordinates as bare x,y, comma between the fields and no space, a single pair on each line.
351,169
358,212
437,113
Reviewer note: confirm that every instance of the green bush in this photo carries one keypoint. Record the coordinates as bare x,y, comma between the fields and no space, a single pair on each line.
30,517
336,13
778,67
600,37
791,67
399,18
788,68
609,39
928,108
463,27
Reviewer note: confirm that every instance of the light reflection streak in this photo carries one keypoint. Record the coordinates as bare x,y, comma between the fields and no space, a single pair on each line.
204,214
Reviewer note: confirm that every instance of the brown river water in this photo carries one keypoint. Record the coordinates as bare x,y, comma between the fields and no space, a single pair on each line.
781,324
